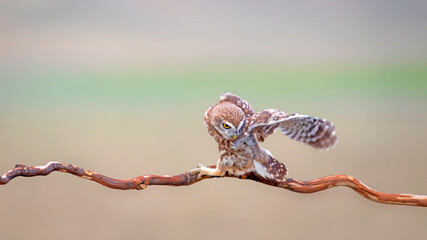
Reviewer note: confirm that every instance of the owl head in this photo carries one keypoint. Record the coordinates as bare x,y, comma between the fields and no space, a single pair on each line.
225,119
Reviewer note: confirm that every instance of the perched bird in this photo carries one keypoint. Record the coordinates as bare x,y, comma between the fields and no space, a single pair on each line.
237,129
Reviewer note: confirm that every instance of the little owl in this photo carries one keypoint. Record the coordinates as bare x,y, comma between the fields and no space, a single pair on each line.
237,129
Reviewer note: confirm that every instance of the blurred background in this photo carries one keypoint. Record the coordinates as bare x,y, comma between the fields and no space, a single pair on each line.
120,88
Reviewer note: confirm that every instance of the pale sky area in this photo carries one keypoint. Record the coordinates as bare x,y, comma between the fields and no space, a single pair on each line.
50,34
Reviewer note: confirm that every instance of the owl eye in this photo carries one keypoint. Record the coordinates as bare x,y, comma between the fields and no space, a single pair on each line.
225,125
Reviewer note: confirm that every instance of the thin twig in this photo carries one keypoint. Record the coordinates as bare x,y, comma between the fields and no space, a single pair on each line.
191,177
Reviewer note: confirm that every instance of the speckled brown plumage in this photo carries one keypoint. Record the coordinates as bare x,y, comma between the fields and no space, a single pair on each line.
237,130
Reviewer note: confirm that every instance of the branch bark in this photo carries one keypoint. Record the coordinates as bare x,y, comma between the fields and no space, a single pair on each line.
191,177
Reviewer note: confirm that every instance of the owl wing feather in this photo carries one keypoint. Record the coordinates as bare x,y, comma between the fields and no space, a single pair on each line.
271,168
316,132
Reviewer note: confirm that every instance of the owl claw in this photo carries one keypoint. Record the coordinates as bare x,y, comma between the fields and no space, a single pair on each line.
196,171
200,171
206,171
200,175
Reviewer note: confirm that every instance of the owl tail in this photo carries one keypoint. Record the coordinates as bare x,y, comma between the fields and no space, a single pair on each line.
271,169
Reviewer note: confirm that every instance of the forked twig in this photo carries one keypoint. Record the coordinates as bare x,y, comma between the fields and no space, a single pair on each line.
191,177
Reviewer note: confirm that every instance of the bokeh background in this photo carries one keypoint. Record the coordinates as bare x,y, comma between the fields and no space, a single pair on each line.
120,87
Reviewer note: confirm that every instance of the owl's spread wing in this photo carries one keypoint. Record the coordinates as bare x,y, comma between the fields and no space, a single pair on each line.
317,132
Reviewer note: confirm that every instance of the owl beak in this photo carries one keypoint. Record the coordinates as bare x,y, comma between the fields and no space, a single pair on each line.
234,136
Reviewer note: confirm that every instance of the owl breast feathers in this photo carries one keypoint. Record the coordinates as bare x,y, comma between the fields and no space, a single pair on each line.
237,129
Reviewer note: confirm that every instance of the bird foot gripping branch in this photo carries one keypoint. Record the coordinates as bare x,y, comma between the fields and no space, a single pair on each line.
237,130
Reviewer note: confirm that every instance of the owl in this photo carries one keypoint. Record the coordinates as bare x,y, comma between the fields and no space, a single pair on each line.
237,129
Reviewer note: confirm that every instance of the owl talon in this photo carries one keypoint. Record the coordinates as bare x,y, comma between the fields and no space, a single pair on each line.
207,171
202,171
194,171
199,171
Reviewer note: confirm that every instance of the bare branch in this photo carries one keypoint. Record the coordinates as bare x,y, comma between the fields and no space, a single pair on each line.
190,177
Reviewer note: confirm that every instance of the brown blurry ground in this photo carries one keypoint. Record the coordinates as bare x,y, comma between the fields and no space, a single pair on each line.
380,146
